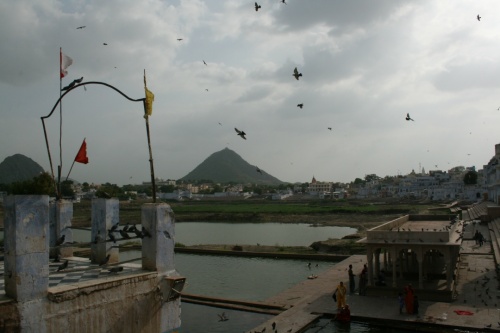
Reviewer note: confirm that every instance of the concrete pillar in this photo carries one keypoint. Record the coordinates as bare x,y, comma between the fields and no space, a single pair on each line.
158,250
369,255
158,255
377,262
105,214
420,258
26,237
394,274
61,213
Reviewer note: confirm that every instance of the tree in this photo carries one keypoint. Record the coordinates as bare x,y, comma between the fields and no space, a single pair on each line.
470,178
358,181
371,177
42,184
67,188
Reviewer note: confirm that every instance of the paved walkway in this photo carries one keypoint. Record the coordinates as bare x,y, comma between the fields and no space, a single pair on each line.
477,293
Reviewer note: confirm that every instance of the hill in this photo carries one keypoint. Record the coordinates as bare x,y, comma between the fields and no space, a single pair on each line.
17,168
226,166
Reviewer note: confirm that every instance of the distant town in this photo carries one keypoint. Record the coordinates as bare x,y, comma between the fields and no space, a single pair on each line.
457,183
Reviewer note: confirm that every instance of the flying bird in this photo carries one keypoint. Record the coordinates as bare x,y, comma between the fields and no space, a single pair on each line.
205,63
330,128
301,105
478,17
64,265
83,26
179,39
296,73
259,171
408,117
105,261
72,84
220,124
60,240
257,6
240,133
104,43
283,1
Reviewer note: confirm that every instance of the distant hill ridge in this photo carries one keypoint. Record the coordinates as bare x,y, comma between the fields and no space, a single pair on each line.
226,166
18,168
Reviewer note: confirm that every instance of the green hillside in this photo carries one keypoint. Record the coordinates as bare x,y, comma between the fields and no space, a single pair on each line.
18,168
226,166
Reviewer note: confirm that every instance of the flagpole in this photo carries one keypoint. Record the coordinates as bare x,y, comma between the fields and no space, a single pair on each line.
60,128
146,116
74,162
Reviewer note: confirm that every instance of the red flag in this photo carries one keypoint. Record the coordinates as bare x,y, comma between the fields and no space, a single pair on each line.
81,157
65,62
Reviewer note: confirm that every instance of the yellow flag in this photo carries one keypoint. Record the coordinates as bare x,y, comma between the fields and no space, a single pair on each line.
150,97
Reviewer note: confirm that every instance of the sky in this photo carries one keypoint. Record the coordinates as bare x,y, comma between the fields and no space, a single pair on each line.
365,65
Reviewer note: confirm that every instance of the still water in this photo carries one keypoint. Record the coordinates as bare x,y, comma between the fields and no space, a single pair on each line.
273,234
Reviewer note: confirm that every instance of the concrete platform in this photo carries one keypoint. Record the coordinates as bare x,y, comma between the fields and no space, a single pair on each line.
477,292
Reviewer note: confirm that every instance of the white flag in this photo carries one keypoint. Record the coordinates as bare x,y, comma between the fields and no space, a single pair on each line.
65,62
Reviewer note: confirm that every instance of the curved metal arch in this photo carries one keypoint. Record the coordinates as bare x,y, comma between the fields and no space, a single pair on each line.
91,82
143,100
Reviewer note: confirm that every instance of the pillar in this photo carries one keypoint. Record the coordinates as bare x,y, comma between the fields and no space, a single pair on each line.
158,250
377,262
394,274
26,237
158,255
105,214
61,213
370,265
420,259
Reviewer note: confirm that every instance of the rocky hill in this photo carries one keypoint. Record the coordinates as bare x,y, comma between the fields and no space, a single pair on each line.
17,168
226,166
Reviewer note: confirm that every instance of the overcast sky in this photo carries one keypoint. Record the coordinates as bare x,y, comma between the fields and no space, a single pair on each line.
365,65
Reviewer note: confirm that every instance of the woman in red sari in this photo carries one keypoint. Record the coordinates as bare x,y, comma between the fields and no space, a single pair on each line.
409,296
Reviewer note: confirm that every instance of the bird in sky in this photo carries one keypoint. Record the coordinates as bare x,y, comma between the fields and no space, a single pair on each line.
330,128
257,6
408,117
60,240
72,84
283,1
259,170
64,265
179,39
105,261
205,63
296,73
301,105
478,17
220,124
104,43
240,133
82,27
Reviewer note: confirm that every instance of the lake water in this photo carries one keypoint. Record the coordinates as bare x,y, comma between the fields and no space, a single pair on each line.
274,234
